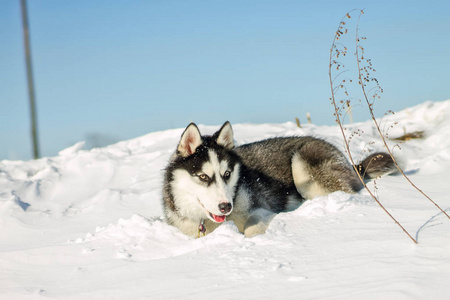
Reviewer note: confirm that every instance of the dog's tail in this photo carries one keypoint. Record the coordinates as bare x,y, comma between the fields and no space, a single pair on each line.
376,165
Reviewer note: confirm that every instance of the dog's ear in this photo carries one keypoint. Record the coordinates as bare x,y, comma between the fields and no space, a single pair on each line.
224,136
190,140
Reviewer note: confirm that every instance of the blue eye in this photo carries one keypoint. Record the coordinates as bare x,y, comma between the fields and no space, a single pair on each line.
226,175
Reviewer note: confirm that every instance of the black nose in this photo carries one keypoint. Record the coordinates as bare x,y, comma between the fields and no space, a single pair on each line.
225,207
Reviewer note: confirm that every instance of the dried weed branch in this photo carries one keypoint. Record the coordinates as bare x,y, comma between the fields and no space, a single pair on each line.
338,49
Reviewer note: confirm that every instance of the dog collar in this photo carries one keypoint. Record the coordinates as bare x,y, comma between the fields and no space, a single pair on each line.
201,228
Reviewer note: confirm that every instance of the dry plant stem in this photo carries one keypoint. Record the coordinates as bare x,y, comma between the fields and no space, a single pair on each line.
361,81
338,121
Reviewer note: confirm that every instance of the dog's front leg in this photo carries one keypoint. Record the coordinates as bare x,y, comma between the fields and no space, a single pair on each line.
258,221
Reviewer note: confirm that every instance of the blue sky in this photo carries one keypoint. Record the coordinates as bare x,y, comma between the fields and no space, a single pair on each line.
121,69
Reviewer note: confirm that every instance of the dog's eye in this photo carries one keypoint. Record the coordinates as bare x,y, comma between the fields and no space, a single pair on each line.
226,175
203,177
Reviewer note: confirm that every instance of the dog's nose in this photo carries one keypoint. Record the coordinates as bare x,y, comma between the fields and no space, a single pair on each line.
225,207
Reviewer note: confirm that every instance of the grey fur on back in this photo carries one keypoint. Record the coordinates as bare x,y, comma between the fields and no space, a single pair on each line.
323,162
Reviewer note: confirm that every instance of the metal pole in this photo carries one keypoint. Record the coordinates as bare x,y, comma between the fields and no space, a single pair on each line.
31,95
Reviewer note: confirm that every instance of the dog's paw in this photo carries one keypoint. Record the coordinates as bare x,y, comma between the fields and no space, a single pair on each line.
257,222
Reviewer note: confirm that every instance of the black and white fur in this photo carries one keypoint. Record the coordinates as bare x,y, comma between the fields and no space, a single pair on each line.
208,180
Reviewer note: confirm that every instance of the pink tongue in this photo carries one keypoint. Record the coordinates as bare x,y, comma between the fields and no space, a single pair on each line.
218,219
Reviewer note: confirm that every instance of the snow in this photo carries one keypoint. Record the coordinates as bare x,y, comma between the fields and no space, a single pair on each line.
89,225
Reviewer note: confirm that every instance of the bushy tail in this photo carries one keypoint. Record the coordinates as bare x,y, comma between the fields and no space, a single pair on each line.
376,165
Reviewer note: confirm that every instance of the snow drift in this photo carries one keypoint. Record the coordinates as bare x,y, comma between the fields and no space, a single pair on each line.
88,225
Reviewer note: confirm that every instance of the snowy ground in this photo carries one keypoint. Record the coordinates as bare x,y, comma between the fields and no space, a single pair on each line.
88,225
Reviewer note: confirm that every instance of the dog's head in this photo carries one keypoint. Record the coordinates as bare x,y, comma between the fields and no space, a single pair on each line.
206,174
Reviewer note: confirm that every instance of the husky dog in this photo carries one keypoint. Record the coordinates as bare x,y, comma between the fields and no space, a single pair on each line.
208,180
